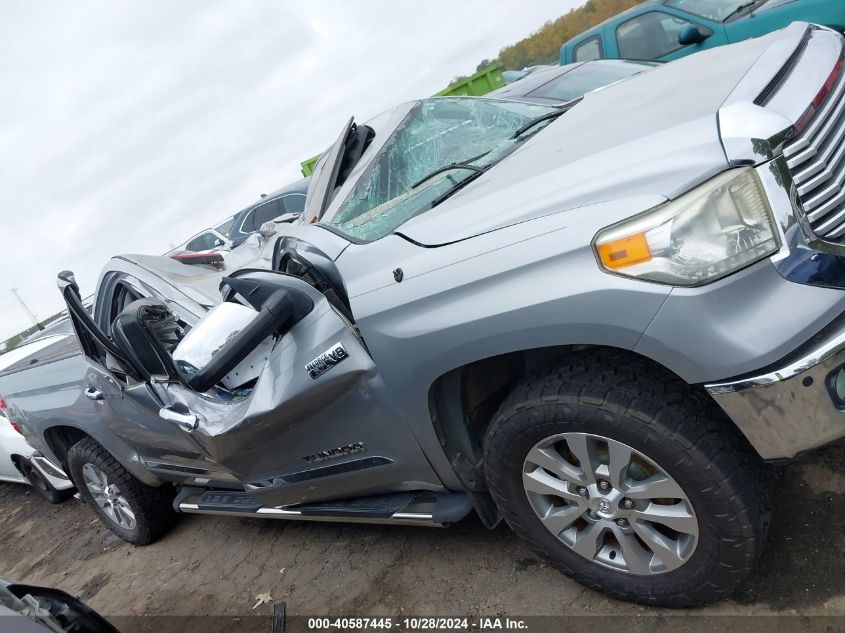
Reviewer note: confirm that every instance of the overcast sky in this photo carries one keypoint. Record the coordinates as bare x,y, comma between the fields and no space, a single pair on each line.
125,127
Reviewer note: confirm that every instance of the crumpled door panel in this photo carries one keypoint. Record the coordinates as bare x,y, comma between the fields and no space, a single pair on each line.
300,438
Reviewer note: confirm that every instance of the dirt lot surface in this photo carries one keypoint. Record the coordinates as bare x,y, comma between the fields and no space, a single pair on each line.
218,565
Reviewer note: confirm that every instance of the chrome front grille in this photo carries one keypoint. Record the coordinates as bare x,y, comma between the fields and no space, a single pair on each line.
816,160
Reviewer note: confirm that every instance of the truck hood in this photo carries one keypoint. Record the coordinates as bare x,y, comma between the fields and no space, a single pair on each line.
653,136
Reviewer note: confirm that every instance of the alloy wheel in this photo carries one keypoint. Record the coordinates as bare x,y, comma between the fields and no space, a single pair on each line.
108,496
610,503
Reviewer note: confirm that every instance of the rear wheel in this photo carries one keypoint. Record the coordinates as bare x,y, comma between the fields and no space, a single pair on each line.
629,481
137,513
42,486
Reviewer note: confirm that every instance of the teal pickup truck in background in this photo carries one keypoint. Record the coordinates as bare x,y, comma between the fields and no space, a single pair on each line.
668,29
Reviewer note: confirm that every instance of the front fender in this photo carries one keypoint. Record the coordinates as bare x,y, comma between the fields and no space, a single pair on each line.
531,285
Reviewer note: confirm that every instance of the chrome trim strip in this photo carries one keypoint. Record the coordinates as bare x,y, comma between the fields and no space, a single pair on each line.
838,232
401,518
47,467
413,516
176,468
823,119
52,473
835,173
791,410
816,160
797,158
824,229
816,356
278,512
831,169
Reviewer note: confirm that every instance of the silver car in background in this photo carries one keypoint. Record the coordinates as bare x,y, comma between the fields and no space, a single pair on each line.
559,84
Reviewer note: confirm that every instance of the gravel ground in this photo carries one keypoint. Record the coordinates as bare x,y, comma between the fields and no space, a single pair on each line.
218,565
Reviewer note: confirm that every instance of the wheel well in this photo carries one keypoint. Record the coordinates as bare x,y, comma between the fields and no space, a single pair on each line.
17,461
464,401
60,439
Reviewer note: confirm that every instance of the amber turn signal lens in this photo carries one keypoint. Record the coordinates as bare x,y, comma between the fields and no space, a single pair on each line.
624,252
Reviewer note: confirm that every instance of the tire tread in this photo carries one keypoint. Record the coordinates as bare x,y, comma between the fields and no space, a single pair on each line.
605,389
156,515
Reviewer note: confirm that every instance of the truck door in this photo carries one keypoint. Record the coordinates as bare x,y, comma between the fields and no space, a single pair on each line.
125,405
317,423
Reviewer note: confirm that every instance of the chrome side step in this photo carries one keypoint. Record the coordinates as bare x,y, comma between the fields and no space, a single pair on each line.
418,508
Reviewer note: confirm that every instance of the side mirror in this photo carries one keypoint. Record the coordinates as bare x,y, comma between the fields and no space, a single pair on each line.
276,308
692,34
218,243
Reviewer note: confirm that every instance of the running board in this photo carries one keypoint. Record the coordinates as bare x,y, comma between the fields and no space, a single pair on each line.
433,509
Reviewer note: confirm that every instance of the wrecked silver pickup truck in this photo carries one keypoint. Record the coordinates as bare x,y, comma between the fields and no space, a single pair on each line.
598,322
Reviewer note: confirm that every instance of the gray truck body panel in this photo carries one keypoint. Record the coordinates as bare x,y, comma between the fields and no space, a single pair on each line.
654,136
505,265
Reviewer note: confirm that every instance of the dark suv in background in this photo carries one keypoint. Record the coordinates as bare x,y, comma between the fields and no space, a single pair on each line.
289,200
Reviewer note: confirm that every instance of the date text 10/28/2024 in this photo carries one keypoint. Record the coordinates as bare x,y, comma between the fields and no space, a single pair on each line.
417,624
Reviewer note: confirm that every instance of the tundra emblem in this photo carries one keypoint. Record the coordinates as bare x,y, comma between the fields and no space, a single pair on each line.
332,453
325,361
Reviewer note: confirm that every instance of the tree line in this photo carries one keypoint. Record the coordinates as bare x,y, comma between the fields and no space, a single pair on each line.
543,46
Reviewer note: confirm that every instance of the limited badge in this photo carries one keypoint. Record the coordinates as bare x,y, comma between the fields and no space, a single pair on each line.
325,361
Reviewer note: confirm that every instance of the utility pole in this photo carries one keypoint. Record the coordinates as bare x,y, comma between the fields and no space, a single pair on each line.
26,308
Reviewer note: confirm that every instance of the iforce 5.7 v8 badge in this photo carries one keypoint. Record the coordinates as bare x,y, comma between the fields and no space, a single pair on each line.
325,361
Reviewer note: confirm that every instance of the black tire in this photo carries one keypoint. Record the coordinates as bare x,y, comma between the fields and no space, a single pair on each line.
680,428
152,507
42,486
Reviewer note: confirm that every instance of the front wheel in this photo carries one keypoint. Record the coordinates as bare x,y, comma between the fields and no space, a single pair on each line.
137,513
629,481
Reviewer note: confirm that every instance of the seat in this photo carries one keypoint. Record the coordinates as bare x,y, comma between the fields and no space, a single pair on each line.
140,331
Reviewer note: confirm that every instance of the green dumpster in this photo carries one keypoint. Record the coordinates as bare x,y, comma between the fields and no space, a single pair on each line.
480,83
308,165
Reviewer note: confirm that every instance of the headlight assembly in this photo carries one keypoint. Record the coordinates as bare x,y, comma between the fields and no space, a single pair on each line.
715,229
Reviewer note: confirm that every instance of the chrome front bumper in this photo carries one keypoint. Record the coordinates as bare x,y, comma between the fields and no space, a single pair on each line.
790,408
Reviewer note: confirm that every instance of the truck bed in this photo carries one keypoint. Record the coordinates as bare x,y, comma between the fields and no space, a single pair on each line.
64,346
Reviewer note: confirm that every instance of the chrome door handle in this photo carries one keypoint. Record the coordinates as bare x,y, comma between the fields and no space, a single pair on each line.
93,394
188,421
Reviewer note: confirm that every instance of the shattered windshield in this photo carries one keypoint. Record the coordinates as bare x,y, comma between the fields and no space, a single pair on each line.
436,133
